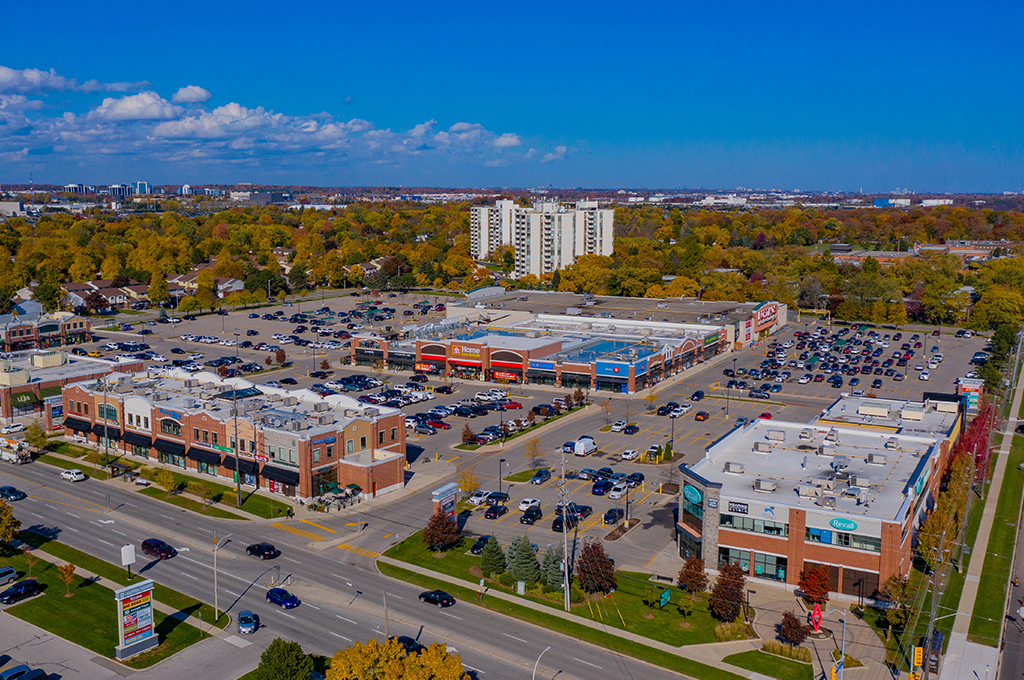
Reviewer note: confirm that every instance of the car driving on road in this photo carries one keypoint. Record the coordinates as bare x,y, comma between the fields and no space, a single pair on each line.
437,597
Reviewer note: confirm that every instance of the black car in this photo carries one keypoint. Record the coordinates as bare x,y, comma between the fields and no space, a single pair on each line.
559,524
438,597
419,378
496,511
320,375
614,515
697,396
410,645
532,515
578,511
497,498
252,332
443,389
630,429
177,350
478,547
158,549
635,479
264,551
19,591
288,381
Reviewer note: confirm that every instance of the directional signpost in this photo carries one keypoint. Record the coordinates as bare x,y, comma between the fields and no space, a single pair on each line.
665,596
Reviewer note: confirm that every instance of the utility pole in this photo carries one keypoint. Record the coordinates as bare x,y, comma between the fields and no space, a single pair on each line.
238,450
565,538
935,602
387,636
216,602
106,436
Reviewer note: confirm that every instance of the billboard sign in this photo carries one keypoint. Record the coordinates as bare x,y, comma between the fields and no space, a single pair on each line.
465,351
135,613
542,365
613,370
765,315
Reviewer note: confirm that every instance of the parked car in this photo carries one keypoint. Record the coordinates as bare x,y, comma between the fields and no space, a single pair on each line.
619,426
19,591
629,454
158,549
618,491
496,512
282,598
601,487
635,479
614,515
12,428
479,496
497,498
540,476
527,503
478,547
701,416
531,515
585,473
631,429
74,475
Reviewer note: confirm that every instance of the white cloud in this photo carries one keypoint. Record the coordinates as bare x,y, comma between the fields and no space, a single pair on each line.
142,106
32,80
507,140
422,129
193,94
559,154
465,127
96,86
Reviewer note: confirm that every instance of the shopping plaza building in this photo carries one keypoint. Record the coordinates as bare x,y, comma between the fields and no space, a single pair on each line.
499,339
847,491
42,331
291,442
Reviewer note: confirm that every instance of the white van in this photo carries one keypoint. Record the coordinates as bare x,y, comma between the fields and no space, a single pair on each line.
585,447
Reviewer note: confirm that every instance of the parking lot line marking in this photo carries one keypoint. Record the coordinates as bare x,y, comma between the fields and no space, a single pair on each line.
318,526
297,532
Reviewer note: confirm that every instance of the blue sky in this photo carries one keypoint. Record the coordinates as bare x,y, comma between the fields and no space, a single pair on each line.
814,96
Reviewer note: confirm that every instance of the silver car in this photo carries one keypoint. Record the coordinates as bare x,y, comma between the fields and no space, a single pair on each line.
248,622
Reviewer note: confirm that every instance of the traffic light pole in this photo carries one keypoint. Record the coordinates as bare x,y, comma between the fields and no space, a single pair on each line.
935,604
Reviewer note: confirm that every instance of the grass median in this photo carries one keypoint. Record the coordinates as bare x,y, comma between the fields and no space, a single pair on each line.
223,495
600,638
95,473
189,504
89,616
170,597
524,476
986,619
771,665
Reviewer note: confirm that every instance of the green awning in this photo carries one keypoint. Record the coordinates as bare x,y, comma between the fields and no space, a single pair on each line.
22,398
354,487
50,391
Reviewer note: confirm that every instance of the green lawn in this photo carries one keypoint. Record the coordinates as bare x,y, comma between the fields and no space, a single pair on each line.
523,476
995,576
89,618
67,449
189,504
119,575
597,637
253,503
95,473
623,609
771,665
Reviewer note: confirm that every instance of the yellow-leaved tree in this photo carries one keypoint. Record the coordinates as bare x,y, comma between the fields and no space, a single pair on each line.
388,660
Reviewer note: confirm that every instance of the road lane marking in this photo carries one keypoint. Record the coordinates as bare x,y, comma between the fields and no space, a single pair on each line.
74,515
52,507
298,532
39,516
318,526
119,532
233,594
452,615
586,662
340,636
291,560
106,542
397,597
357,551
344,619
514,637
288,615
475,670
313,606
169,517
72,529
194,578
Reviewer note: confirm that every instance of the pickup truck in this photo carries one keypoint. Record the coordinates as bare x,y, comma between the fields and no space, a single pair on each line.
14,452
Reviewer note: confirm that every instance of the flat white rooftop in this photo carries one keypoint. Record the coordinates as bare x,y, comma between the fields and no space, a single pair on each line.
927,418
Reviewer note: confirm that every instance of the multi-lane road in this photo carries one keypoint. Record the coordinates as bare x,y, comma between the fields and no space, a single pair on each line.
350,609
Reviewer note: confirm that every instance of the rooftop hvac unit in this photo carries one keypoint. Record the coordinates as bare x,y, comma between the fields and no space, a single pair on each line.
297,425
189,402
734,468
191,382
860,480
828,484
806,434
159,396
372,412
840,463
808,491
325,419
274,397
876,459
762,447
827,502
775,435
892,443
826,451
290,401
765,485
320,406
277,422
832,437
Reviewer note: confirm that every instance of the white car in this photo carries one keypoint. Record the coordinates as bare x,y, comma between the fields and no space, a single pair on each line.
196,357
12,428
804,379
680,411
932,365
158,357
479,496
919,367
72,475
528,503
618,491
619,426
272,383
630,454
484,396
411,422
925,375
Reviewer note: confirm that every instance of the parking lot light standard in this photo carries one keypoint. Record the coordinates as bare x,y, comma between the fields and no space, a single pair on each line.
501,462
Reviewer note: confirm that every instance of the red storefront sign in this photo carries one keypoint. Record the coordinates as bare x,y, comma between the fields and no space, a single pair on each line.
506,375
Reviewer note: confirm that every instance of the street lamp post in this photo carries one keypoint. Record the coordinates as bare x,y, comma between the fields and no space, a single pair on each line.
538,662
216,603
501,462
236,344
842,649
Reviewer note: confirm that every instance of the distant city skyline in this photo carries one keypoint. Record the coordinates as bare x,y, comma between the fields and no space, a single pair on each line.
809,97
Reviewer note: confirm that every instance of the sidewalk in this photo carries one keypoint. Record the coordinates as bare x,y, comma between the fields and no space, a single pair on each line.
964,658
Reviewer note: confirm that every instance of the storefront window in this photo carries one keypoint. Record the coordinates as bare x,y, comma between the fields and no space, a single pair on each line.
172,427
172,459
206,468
770,567
759,526
693,515
141,451
733,556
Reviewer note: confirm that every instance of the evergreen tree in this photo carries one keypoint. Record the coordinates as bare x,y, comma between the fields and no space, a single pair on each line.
552,567
492,559
524,565
284,660
513,547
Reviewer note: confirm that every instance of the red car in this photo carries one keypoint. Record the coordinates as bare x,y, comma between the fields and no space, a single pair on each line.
439,424
766,415
513,405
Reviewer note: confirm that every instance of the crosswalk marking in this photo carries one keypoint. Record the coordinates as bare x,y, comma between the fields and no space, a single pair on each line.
357,551
298,532
318,526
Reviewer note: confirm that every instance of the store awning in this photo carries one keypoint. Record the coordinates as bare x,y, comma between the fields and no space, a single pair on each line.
204,456
281,475
50,391
173,448
77,425
136,439
24,398
108,431
354,487
464,362
245,466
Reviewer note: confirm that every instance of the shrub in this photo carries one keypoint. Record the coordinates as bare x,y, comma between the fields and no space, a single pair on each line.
730,630
788,651
595,569
575,594
793,629
506,579
522,561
